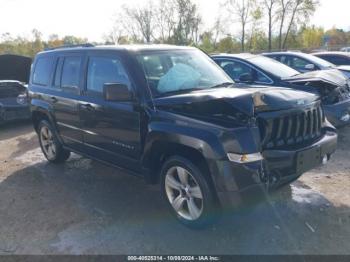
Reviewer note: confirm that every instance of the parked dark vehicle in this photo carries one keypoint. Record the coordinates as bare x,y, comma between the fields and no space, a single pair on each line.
14,74
336,58
331,85
304,63
169,114
345,49
340,59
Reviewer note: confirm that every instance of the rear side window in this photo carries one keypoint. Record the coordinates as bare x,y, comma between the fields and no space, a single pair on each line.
337,60
298,63
104,70
236,69
42,71
71,72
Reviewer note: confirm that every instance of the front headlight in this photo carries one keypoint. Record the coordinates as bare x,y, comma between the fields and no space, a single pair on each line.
245,158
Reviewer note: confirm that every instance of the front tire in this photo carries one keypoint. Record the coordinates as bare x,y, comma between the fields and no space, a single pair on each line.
50,145
187,191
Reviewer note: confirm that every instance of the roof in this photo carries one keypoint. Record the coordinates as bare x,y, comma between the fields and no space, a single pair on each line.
285,53
333,53
239,56
298,54
131,48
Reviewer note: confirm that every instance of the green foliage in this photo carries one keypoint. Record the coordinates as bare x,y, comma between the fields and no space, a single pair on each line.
31,46
228,45
338,37
311,37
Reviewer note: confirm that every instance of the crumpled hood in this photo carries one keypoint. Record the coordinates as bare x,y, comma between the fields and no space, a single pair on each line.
331,76
234,103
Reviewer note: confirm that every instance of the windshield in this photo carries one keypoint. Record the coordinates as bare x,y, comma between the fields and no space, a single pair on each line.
273,67
180,71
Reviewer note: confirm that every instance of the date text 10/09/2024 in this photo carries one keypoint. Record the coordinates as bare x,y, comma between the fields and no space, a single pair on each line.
173,258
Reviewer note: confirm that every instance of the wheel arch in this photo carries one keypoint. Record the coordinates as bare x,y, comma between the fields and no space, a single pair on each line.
41,111
162,145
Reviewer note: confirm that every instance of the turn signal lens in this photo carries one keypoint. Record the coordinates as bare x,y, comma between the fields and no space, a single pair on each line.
245,158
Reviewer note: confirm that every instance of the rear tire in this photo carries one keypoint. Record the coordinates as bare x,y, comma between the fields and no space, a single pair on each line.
50,145
186,189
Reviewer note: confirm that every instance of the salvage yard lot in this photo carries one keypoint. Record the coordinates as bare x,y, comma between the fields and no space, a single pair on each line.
84,207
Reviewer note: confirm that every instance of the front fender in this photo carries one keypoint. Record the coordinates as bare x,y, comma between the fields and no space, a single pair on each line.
203,141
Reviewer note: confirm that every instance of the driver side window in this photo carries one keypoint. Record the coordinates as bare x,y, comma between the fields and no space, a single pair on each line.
236,69
298,63
102,70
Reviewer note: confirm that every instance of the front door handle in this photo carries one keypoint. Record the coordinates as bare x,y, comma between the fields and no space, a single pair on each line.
88,107
53,99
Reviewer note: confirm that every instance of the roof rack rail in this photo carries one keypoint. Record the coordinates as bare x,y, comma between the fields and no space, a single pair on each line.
69,46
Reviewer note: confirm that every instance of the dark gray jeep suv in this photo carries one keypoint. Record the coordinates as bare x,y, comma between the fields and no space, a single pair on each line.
171,115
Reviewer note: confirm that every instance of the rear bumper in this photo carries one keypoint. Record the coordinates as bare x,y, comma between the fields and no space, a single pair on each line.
250,182
338,114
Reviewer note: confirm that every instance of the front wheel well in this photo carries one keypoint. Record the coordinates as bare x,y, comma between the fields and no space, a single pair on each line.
164,150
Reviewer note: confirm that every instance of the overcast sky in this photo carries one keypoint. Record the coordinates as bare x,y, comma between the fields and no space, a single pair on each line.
93,18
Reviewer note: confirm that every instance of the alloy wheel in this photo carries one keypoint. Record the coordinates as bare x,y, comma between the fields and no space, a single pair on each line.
48,143
184,193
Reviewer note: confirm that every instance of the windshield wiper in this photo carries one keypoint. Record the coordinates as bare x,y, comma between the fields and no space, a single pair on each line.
181,91
225,84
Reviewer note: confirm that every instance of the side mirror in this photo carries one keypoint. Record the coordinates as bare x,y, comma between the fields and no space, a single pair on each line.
116,92
310,67
246,78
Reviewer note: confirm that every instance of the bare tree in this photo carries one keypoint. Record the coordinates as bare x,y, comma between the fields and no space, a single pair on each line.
270,8
299,8
284,6
118,33
241,10
188,24
218,29
141,21
165,20
256,16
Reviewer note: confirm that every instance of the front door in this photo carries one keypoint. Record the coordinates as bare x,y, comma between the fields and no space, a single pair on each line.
111,129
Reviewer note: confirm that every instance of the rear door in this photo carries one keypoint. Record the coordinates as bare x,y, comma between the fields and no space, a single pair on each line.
67,82
111,129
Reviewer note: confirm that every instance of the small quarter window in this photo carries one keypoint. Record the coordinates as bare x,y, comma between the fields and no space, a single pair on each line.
42,71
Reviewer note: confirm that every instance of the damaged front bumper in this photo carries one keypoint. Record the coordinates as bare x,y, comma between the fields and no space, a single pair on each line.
338,114
245,182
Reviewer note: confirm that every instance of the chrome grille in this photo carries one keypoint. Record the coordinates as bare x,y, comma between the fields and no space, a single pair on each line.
292,128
